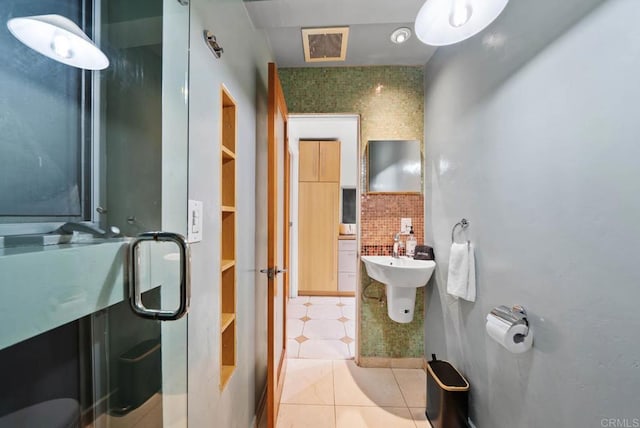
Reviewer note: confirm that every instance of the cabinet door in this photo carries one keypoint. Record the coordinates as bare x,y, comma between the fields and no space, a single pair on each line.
308,161
318,236
329,153
347,261
346,281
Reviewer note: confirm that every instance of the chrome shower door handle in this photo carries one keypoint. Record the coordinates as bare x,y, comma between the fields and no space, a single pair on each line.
135,293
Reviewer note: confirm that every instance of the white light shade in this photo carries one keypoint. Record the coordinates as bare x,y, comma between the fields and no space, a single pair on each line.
60,39
445,22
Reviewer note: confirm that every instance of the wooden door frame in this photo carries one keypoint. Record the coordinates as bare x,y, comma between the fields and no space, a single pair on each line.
276,102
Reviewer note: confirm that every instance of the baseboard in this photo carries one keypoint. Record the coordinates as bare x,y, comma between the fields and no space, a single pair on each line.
327,293
394,363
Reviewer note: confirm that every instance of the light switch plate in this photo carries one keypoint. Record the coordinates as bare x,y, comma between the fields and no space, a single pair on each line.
405,225
194,233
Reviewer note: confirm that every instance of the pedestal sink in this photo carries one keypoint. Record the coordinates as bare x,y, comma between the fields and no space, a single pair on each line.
401,276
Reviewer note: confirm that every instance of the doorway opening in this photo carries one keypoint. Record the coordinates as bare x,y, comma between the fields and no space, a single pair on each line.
325,184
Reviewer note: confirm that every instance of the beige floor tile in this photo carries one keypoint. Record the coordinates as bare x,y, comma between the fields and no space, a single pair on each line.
300,300
306,416
324,329
294,327
348,300
322,300
296,311
413,386
349,311
308,382
357,386
419,417
324,349
293,347
324,312
350,328
373,417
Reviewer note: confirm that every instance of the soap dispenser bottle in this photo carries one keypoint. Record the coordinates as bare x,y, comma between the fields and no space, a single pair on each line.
411,243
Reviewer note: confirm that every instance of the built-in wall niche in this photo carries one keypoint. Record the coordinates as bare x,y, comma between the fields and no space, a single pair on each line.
394,166
229,124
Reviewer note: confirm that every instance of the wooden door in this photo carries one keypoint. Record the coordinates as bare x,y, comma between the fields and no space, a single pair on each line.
277,239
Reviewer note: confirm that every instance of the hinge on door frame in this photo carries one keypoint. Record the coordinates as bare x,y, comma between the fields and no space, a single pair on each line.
184,2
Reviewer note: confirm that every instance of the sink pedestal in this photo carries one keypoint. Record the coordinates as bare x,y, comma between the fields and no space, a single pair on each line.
401,302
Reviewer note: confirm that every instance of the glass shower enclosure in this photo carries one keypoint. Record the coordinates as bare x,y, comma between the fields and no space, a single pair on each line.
94,269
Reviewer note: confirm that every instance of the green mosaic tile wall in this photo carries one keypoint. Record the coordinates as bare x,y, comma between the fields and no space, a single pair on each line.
390,99
382,337
390,102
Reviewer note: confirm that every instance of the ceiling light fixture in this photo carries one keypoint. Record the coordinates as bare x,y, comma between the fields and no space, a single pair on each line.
445,22
60,39
400,35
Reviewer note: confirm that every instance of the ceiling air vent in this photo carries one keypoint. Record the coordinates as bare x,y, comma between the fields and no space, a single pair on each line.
325,44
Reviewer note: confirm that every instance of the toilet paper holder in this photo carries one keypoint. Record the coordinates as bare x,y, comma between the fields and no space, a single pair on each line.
516,314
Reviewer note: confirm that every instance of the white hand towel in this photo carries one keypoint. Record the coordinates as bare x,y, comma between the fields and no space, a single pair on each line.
462,273
471,287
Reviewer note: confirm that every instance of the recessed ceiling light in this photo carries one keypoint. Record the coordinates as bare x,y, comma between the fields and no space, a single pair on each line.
401,35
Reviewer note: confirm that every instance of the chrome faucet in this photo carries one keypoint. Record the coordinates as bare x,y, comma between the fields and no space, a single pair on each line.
69,228
396,246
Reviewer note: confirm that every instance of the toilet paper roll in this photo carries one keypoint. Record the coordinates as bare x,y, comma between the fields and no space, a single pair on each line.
516,338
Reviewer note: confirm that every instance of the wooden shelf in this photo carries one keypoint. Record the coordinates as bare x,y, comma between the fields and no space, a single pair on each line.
227,264
225,374
227,154
228,225
226,321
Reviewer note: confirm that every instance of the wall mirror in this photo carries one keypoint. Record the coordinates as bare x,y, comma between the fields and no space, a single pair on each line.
394,166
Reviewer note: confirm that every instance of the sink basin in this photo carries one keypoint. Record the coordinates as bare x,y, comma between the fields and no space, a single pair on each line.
401,277
400,272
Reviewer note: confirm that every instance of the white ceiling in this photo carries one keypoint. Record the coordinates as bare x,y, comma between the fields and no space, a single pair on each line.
524,25
370,25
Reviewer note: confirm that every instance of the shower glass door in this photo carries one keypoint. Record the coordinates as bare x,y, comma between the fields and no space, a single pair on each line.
81,154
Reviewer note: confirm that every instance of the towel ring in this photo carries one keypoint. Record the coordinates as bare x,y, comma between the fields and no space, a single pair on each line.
464,223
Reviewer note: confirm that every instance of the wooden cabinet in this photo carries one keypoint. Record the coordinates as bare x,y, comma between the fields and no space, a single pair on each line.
228,246
308,161
318,235
318,212
319,161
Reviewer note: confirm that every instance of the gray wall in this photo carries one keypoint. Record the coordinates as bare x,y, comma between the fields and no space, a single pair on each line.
536,143
243,70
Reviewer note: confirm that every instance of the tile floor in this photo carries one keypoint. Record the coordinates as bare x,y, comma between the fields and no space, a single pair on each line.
321,327
324,388
320,393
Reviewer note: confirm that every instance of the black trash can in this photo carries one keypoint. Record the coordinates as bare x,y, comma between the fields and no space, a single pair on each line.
447,395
